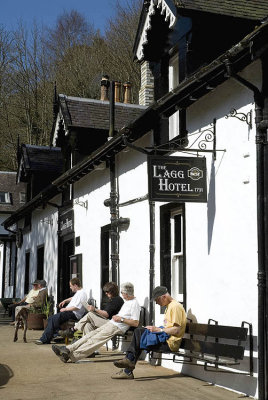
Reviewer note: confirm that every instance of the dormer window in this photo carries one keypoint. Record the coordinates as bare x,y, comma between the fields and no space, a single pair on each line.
22,197
5,198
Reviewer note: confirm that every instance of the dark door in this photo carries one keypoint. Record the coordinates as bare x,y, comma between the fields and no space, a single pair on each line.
105,259
27,273
66,249
40,262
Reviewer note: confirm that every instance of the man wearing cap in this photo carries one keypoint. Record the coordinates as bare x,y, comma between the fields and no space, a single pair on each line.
174,328
28,299
36,301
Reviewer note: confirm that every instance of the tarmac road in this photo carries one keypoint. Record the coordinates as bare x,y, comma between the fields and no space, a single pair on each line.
28,371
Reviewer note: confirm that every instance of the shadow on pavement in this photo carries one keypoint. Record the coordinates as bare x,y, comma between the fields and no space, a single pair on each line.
5,374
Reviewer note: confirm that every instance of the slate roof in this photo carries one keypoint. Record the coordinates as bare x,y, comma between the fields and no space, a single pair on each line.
8,184
249,9
41,158
90,113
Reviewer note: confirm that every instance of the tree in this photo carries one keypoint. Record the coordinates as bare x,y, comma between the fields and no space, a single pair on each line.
118,46
73,54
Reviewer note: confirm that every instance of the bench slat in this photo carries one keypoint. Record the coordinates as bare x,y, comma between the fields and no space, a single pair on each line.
217,331
216,349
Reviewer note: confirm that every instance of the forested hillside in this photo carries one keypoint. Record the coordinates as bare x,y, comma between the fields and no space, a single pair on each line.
72,54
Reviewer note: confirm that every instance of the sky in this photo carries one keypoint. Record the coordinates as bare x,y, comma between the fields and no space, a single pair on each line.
46,11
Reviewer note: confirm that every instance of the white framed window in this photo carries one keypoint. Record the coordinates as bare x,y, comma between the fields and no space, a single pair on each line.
177,256
22,197
173,75
5,197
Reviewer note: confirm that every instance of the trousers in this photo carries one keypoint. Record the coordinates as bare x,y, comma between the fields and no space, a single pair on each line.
90,322
92,341
134,350
53,324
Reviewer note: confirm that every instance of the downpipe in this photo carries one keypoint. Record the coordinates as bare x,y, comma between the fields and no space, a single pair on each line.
113,198
152,261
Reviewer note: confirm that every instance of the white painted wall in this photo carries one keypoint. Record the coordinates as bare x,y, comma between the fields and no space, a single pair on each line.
221,235
45,234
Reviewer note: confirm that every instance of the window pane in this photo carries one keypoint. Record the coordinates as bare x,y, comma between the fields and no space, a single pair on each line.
177,234
4,197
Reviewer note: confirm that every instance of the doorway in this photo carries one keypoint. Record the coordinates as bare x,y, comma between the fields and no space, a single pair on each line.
66,249
106,270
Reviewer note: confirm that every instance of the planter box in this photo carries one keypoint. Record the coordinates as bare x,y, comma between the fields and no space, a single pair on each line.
35,321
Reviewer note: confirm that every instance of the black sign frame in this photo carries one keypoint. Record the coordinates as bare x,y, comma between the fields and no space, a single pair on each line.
177,179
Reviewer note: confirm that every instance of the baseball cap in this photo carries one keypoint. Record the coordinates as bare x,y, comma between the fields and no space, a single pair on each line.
159,291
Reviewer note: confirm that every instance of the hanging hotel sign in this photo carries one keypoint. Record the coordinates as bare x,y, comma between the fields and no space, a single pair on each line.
181,179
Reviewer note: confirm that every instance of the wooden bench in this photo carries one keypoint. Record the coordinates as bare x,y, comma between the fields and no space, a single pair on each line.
127,336
214,345
7,301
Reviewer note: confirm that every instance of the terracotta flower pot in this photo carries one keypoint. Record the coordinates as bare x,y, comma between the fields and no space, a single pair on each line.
35,321
44,323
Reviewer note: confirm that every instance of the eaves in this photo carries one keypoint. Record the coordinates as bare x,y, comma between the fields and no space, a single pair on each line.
189,91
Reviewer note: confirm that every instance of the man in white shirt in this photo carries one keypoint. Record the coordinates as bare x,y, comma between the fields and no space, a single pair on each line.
128,315
74,310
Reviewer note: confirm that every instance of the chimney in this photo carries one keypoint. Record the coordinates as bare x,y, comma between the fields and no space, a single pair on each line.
105,83
146,93
127,92
117,91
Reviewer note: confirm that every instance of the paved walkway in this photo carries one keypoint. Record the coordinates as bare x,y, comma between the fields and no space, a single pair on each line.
28,371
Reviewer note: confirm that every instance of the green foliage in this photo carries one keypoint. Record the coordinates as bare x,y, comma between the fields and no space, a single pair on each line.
46,309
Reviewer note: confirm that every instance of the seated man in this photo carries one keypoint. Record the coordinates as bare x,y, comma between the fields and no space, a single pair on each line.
39,300
95,318
28,299
128,315
74,310
174,327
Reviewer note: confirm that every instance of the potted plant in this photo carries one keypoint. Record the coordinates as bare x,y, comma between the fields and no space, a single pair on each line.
35,318
47,310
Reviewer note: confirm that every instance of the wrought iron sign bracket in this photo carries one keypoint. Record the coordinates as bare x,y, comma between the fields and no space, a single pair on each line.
247,118
132,146
185,144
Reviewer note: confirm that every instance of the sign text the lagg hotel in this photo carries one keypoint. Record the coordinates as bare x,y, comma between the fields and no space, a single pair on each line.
180,179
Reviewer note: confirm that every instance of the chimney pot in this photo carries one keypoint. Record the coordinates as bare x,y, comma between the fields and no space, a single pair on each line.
105,83
127,92
117,92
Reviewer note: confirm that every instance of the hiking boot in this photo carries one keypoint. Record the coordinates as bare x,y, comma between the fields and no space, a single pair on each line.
67,333
57,349
122,375
61,352
125,363
64,357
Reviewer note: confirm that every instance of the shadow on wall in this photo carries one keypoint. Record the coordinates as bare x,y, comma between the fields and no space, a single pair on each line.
211,205
5,374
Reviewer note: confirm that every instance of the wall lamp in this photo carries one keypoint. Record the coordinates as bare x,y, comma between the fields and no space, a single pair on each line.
81,203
